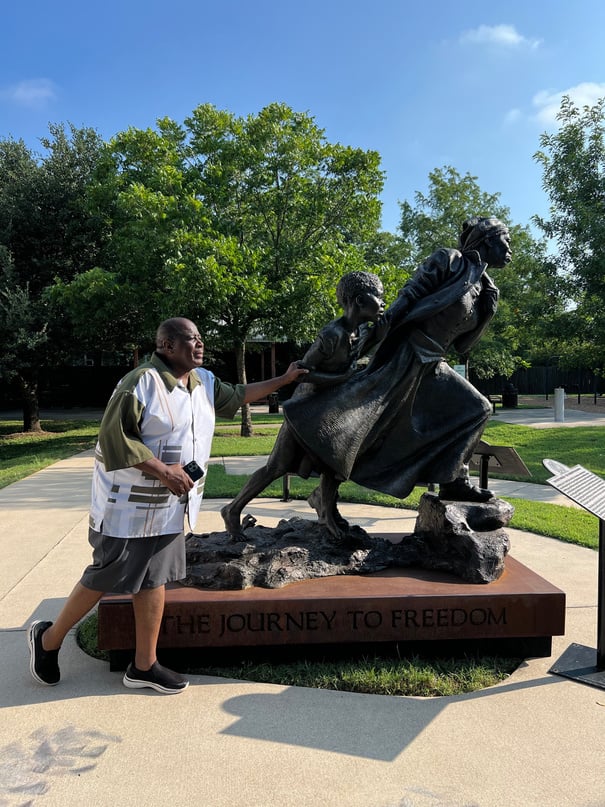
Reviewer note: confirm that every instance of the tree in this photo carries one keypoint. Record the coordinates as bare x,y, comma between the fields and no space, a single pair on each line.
295,210
46,233
573,165
241,224
154,262
526,286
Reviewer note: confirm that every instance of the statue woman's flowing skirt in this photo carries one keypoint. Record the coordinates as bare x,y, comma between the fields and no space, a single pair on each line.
408,422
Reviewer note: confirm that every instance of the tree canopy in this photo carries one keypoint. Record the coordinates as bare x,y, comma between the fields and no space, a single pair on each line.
573,164
46,235
245,225
526,285
240,224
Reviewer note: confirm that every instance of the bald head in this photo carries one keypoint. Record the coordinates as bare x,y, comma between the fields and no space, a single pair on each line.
171,329
180,345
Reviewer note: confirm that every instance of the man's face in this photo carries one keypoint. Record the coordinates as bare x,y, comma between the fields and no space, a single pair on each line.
187,349
497,250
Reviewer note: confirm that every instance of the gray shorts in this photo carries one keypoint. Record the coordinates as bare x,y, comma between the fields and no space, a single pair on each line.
127,565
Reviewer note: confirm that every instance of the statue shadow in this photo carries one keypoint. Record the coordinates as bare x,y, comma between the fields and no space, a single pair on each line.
373,727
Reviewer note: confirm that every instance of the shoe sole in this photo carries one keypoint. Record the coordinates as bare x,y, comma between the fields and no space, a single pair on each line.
32,652
133,683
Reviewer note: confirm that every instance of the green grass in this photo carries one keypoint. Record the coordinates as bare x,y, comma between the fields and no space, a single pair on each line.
555,521
368,674
567,524
579,445
376,675
23,454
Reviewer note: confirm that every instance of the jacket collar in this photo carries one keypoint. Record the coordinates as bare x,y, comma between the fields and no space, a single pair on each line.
167,376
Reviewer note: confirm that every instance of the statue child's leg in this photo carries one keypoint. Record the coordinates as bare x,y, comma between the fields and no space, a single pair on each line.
328,512
279,462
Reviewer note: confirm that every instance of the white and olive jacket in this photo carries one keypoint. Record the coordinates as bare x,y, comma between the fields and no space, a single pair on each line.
152,414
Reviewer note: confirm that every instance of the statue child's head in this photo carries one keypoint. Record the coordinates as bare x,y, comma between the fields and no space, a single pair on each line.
363,293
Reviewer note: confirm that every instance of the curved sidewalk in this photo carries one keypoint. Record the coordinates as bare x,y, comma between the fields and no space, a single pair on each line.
536,740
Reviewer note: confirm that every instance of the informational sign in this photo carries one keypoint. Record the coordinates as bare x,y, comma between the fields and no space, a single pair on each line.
587,490
502,460
460,369
581,486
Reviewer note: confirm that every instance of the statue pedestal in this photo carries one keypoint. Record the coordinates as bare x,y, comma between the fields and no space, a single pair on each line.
396,605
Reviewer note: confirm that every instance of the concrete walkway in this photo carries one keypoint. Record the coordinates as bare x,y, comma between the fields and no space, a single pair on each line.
536,740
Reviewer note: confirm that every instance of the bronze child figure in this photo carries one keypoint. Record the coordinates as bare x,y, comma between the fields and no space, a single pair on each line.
331,360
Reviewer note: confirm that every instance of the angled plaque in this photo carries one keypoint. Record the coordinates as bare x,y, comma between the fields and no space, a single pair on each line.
583,487
502,459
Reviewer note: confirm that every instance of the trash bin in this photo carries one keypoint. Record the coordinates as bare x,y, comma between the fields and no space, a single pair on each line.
510,396
273,399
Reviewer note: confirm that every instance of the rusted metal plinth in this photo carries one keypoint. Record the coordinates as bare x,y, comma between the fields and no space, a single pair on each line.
398,605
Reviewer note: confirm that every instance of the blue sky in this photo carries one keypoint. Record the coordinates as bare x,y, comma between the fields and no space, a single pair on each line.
468,84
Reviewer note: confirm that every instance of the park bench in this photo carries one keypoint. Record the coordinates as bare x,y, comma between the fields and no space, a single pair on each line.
494,399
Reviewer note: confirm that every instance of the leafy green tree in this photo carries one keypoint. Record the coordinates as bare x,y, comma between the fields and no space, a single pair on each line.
155,261
296,210
242,224
526,285
573,165
390,257
46,233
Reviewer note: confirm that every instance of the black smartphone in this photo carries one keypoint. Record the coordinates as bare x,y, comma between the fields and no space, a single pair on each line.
193,470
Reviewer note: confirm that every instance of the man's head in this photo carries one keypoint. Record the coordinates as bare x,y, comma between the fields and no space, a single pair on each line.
363,290
489,237
179,343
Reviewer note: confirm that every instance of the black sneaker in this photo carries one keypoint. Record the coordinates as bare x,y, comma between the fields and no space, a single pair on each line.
156,677
43,664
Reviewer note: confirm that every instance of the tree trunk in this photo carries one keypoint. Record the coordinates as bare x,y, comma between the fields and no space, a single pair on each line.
31,405
240,360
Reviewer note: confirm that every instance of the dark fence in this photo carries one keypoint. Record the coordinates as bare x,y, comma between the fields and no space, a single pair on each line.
542,380
66,387
91,386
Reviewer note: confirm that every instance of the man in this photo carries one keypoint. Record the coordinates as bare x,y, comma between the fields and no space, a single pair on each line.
159,419
409,418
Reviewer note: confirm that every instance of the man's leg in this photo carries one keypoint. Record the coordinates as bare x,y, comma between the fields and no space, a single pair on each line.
45,638
79,603
148,607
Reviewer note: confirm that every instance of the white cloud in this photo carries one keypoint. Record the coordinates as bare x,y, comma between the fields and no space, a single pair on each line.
548,103
30,92
504,36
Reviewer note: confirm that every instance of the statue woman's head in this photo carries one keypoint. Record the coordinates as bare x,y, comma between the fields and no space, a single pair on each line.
489,237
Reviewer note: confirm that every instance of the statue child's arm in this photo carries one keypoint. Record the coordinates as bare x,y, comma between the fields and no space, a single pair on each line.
331,348
427,278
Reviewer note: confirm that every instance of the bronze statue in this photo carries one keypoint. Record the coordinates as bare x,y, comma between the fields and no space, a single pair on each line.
331,360
409,418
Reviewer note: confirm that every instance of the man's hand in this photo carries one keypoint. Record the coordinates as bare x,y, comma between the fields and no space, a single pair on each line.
171,476
259,389
176,480
294,372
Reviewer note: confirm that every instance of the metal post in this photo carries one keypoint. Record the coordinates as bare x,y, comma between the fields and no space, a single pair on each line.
601,600
559,404
286,488
483,466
